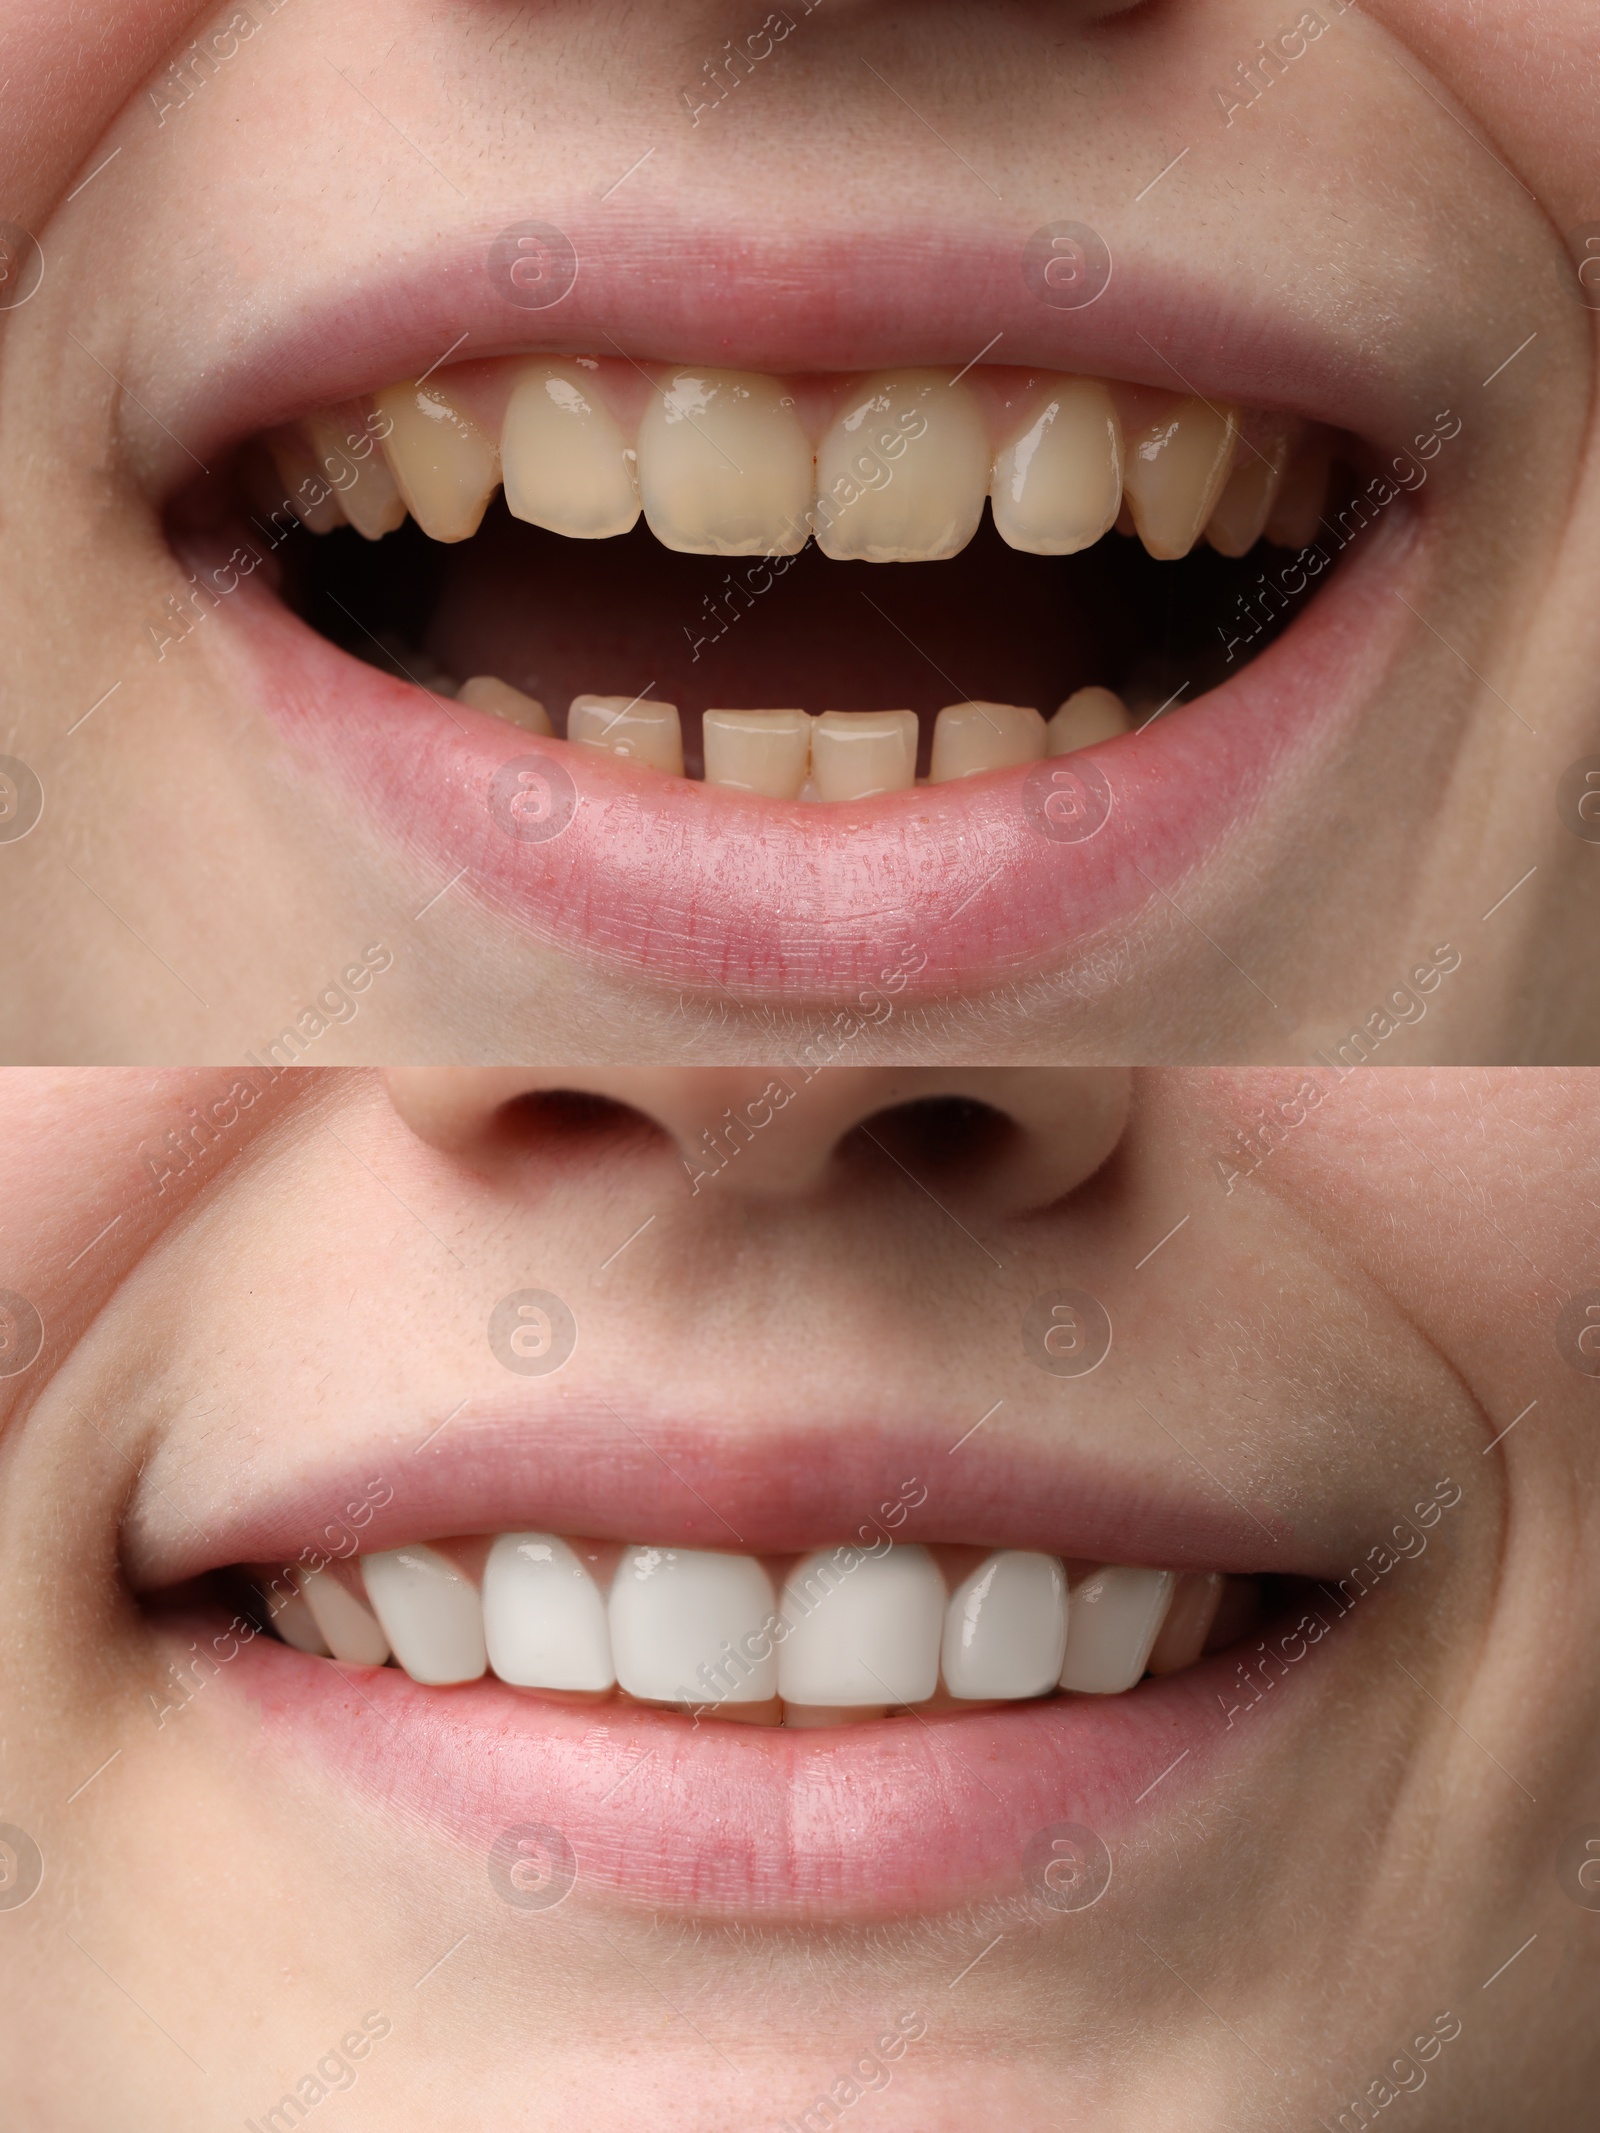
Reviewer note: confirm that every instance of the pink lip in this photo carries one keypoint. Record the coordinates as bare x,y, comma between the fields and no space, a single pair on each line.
944,889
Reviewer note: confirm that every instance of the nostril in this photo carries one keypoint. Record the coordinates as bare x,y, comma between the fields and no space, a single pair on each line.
575,1117
947,1135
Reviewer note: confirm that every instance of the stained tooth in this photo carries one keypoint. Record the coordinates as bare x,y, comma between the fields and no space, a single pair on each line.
864,1630
1173,472
1183,1634
544,1618
968,738
857,753
430,1613
487,692
1297,509
1058,487
1005,1629
347,454
649,732
1248,495
1113,1618
766,752
300,479
693,1627
1087,716
903,471
565,458
350,1628
724,466
445,466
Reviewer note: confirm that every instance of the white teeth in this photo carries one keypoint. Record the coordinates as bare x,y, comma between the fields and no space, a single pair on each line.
487,692
857,753
863,1630
430,1613
1005,1629
968,738
724,466
1057,488
352,1631
1246,502
689,1626
446,468
1174,468
1113,1618
1087,716
902,473
295,1623
544,1618
649,732
566,461
766,752
347,456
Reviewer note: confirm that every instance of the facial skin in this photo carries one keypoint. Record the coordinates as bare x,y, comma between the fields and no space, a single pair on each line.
1396,204
1330,1331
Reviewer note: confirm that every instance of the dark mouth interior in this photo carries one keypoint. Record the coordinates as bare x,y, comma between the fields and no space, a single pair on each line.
627,617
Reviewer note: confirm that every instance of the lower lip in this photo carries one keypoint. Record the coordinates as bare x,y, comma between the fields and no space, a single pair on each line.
890,1817
943,889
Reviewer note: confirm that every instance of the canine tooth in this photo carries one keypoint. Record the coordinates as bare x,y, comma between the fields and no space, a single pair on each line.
352,1631
295,473
367,492
724,466
902,473
1302,495
864,1631
968,738
1183,1634
857,753
544,1619
295,1623
682,1623
487,692
637,727
1113,1618
1087,716
1005,1629
1173,473
445,466
1058,487
565,460
1248,495
766,752
430,1613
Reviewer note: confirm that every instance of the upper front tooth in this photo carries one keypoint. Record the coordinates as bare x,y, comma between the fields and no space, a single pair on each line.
1005,1629
1113,1618
348,454
683,1624
429,1611
1174,470
649,732
1058,486
352,1630
724,466
446,467
566,464
902,472
857,753
968,738
544,1619
766,752
1087,716
862,1631
487,692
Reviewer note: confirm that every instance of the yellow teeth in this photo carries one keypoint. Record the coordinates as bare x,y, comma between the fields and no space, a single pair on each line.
648,732
1058,487
855,754
1248,495
487,692
902,472
348,457
300,480
1175,468
445,466
969,738
567,466
724,466
765,752
1087,716
1296,512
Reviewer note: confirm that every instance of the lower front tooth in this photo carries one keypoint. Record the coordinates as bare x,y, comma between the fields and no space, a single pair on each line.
862,1631
969,738
855,754
349,457
1058,487
1005,1629
1174,471
487,692
1113,1618
1087,716
649,732
353,1632
564,458
766,752
544,1619
446,468
902,473
430,1613
691,1626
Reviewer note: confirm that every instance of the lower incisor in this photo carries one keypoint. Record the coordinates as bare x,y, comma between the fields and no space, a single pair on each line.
1087,716
974,737
487,692
764,752
855,754
647,732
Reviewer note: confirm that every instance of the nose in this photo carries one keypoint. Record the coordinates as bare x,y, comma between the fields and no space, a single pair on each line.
1022,1136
